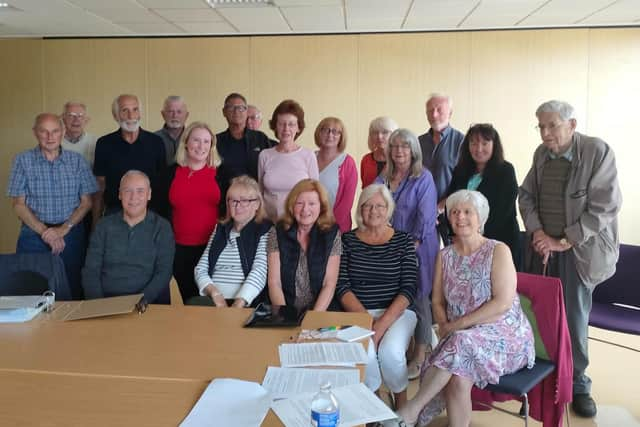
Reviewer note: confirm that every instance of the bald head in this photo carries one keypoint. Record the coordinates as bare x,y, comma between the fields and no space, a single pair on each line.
43,117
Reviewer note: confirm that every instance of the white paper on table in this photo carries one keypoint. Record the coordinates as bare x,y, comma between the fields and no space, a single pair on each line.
289,382
358,405
322,354
230,402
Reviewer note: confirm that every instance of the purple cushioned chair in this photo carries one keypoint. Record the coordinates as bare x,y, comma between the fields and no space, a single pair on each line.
622,288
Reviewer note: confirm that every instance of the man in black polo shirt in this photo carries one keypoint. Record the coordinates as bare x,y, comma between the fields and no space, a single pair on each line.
238,146
130,147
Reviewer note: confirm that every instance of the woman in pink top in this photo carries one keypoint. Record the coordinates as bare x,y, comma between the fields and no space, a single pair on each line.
338,172
283,166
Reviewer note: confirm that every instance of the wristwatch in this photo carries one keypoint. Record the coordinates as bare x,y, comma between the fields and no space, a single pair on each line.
69,225
564,242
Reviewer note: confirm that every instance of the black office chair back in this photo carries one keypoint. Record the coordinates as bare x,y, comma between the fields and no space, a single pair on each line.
24,283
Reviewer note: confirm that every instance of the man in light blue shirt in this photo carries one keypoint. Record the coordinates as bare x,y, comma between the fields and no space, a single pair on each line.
51,191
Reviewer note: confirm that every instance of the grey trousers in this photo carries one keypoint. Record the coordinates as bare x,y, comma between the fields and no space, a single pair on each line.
577,303
425,320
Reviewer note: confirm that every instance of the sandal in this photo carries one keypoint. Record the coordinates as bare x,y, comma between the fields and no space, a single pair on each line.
414,370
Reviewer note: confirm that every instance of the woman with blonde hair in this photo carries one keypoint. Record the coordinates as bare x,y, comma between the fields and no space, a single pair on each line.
233,267
304,250
193,194
338,173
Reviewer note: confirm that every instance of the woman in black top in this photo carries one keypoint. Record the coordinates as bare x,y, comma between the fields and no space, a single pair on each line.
378,273
482,167
303,250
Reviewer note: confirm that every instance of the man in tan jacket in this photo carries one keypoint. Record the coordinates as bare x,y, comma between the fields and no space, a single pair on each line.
569,202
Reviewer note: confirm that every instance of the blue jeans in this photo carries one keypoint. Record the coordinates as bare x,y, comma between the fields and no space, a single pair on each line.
72,256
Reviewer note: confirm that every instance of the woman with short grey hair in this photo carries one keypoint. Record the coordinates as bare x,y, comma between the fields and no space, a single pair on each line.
415,195
373,163
484,332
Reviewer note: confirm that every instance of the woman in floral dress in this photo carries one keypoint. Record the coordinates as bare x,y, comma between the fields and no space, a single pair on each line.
484,332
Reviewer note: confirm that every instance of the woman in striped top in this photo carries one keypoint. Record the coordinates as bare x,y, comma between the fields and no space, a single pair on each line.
234,263
378,273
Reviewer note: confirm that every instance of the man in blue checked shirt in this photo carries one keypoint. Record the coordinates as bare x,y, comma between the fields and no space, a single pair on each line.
51,190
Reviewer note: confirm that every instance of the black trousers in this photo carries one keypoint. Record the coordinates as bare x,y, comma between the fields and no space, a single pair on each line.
184,261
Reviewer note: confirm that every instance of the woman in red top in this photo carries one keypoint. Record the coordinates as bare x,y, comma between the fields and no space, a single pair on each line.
194,196
374,162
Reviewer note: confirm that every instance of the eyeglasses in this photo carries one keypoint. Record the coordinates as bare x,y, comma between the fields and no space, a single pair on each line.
331,131
552,127
235,108
378,207
399,147
255,117
75,115
240,202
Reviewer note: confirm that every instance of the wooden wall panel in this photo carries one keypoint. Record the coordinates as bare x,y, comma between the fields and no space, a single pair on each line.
70,73
202,70
21,92
614,90
317,71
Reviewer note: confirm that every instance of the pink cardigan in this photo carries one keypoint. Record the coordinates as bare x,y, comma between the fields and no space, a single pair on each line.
348,181
548,398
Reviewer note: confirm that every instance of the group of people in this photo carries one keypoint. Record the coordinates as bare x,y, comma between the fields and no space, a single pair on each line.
240,218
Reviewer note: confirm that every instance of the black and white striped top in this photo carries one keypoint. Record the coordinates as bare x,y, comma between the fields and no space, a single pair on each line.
376,274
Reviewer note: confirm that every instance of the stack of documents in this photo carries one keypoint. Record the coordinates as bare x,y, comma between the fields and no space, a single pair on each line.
358,405
290,382
14,309
322,354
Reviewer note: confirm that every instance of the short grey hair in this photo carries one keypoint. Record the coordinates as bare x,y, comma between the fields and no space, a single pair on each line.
173,98
435,95
68,104
259,111
115,105
476,199
382,123
368,192
563,108
132,172
407,137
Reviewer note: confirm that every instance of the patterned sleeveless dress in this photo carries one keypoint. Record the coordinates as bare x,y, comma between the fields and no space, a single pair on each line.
482,352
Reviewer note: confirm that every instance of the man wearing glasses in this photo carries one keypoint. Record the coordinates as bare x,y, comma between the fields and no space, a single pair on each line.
569,203
75,118
239,147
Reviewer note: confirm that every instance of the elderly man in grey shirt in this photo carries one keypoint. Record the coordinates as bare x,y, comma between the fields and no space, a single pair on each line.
132,251
175,114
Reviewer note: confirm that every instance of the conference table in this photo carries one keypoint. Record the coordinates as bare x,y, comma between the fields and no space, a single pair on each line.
135,369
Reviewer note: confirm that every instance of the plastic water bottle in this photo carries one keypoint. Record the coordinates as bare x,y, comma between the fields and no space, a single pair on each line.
325,411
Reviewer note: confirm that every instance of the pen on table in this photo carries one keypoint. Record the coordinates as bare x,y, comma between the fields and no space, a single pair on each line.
333,328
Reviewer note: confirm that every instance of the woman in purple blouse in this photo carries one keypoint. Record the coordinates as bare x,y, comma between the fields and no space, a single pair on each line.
415,195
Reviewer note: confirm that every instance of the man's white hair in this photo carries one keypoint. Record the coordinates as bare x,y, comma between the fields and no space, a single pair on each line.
563,108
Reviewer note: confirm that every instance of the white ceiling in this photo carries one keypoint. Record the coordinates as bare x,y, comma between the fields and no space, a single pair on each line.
82,18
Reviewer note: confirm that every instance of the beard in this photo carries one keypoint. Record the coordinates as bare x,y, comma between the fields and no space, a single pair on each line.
130,125
174,124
